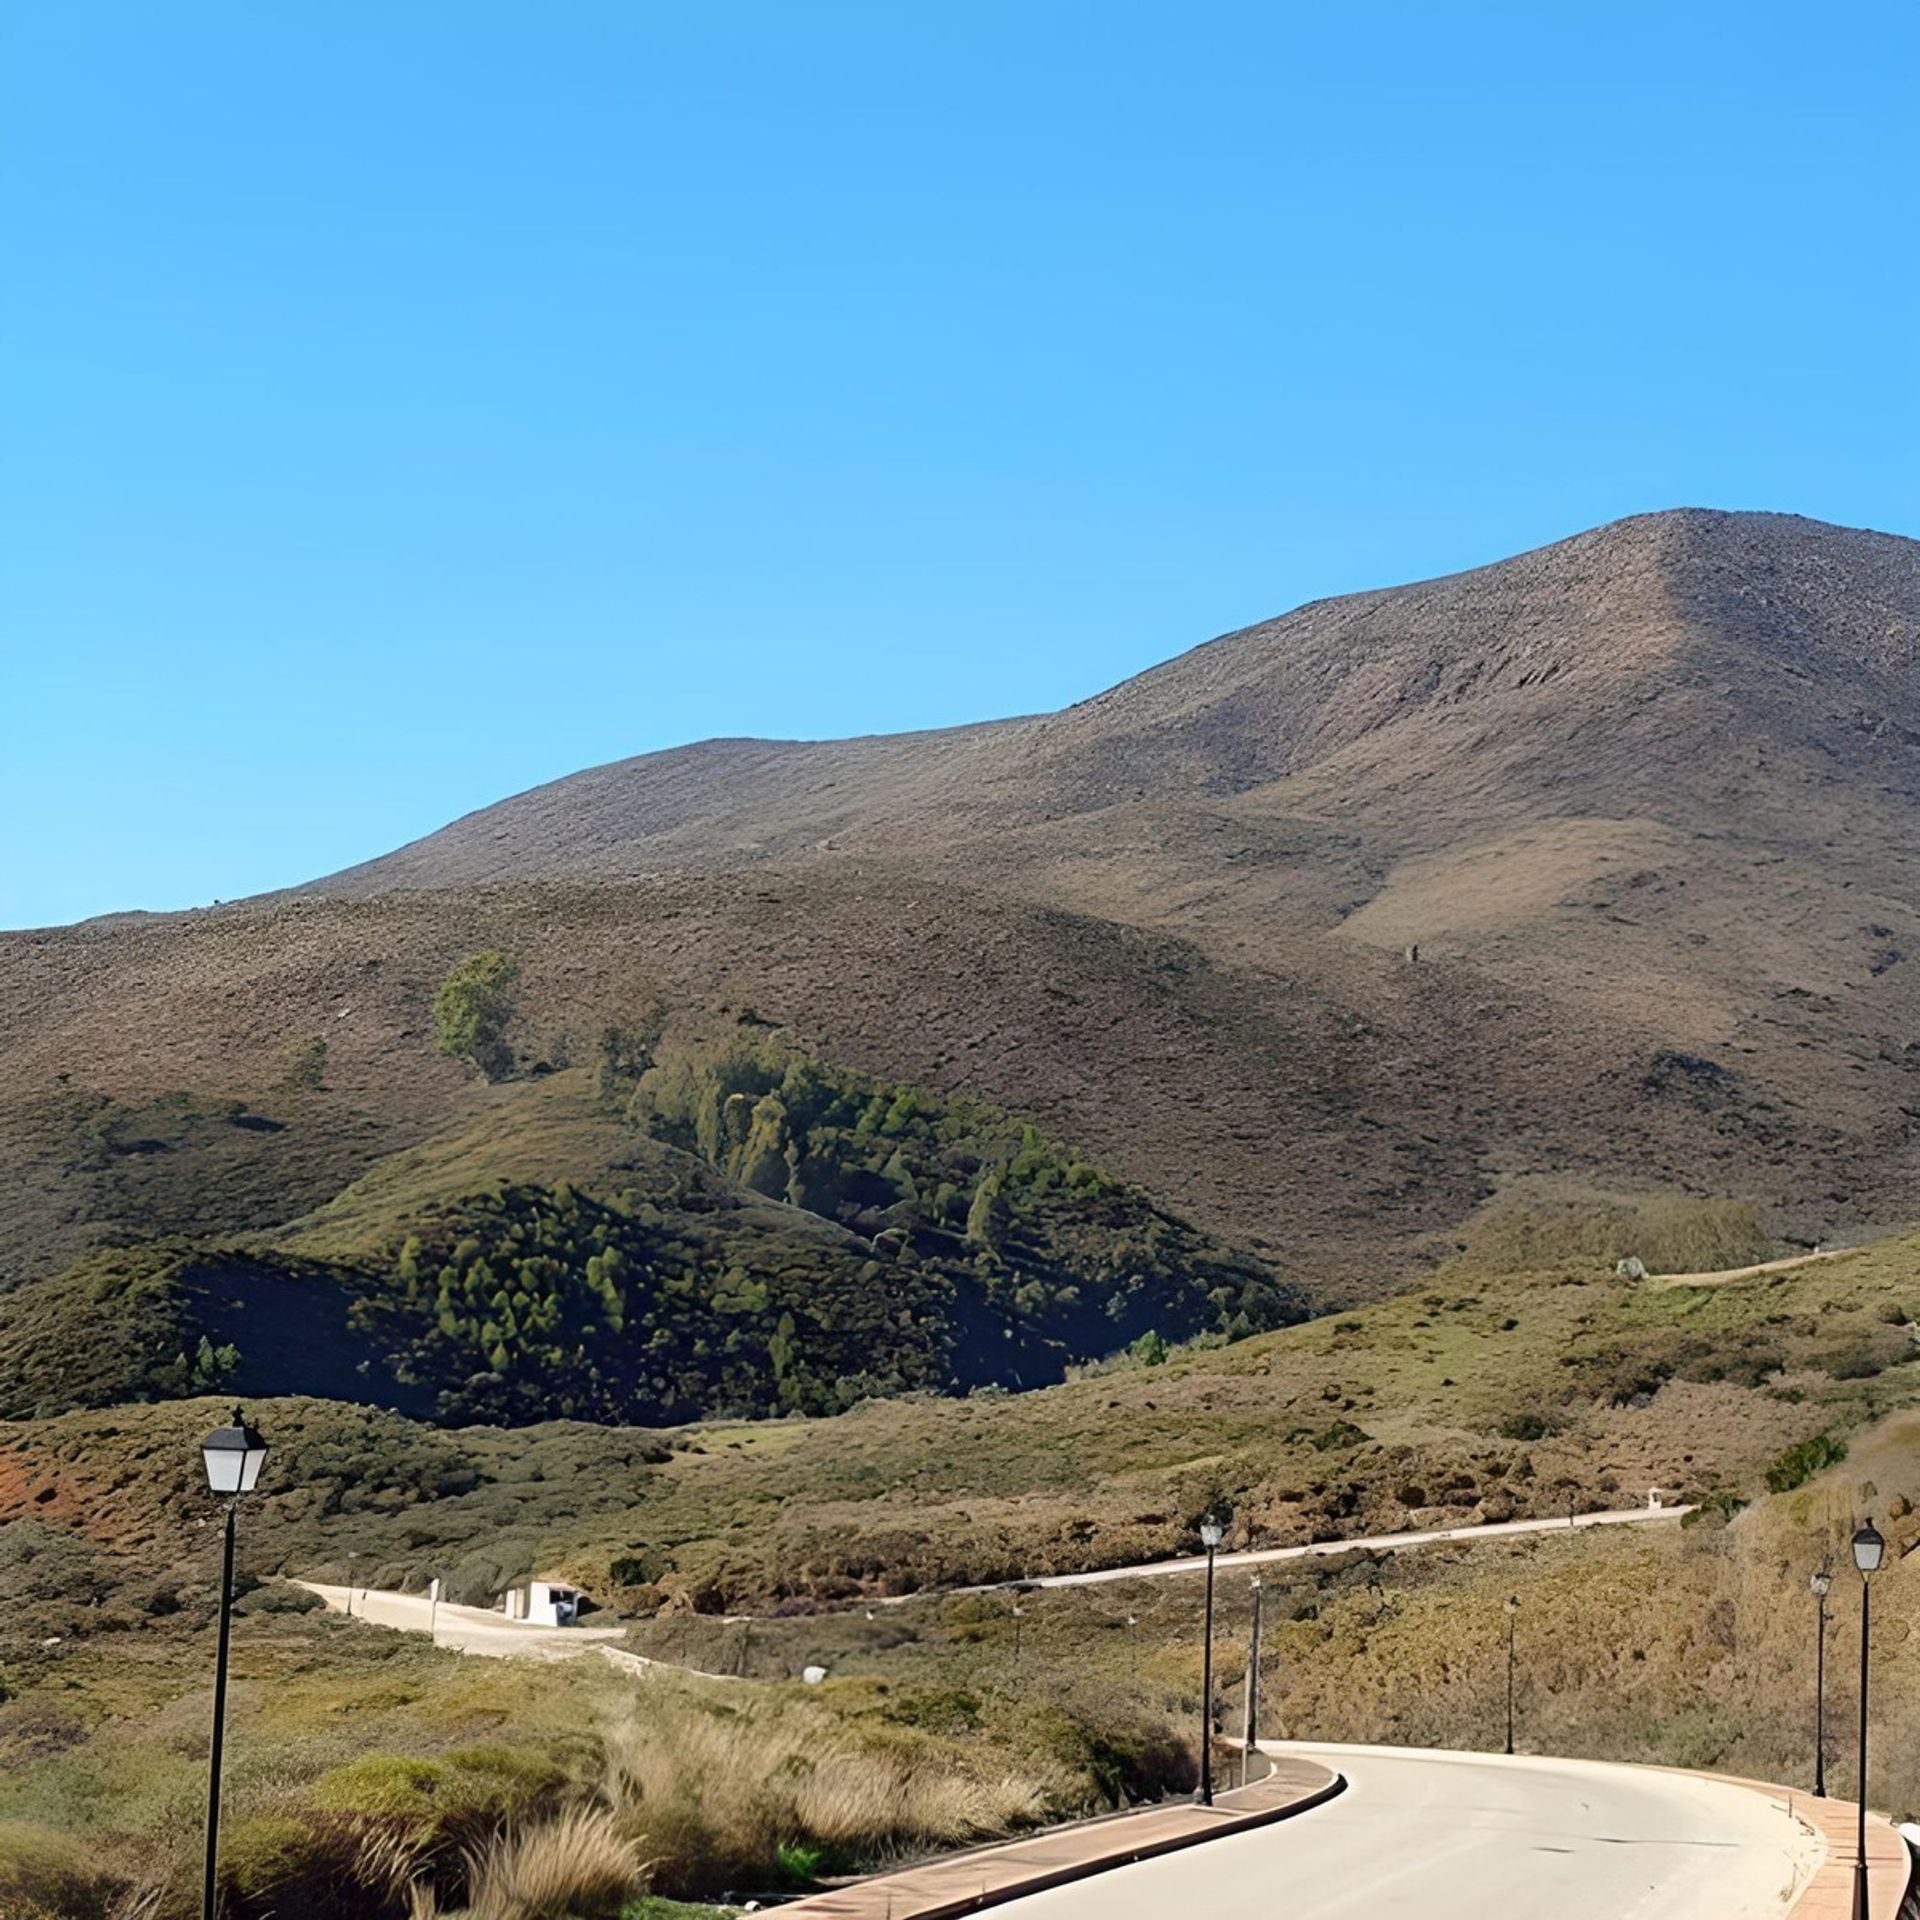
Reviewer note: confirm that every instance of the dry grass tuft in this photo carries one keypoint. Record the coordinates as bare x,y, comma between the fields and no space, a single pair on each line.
387,1858
578,1863
576,1866
138,1903
720,1799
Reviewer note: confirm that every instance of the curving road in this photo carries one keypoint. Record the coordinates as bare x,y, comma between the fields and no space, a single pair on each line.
1471,1534
1453,1836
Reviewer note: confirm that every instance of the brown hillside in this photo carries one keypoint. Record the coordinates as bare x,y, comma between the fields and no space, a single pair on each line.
1741,661
1647,801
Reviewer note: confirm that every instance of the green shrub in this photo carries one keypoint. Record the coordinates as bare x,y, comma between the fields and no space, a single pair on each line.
278,1597
1870,1354
1125,1762
1526,1426
798,1864
264,1858
643,1567
386,1784
940,1710
515,1773
1669,1233
1799,1464
1715,1508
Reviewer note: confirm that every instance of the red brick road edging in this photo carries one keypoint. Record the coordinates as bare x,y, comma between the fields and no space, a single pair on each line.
1829,1894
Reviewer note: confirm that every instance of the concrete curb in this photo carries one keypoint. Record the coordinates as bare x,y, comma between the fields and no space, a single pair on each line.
877,1899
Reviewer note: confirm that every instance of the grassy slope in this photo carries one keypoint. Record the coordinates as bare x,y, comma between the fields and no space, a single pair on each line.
1400,1414
340,1733
717,1268
1684,1645
533,1133
1116,1467
1687,1645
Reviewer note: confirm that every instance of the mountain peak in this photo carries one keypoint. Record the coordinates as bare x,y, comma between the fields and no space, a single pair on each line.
1478,695
1322,930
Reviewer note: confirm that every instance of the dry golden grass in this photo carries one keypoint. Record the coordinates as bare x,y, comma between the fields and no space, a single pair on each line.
718,1798
577,1864
853,1797
754,1796
1667,1232
137,1903
44,1874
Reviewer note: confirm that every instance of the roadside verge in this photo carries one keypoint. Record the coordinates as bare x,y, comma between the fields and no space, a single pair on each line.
968,1882
1829,1894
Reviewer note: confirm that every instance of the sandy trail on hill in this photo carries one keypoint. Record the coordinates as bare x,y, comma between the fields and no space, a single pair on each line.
1722,1275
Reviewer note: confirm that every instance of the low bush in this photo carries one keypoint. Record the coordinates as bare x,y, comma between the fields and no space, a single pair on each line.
1800,1463
49,1876
1668,1233
274,1864
1526,1426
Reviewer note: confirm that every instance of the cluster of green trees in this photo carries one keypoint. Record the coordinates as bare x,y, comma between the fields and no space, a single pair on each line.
815,1238
802,1238
173,1320
536,1303
1065,1260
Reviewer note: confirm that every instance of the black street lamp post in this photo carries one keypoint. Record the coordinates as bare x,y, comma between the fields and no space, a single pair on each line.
233,1456
1212,1532
1513,1612
1250,1732
1820,1584
1868,1551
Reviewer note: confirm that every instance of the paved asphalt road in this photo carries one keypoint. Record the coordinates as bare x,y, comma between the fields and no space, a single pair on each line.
1476,1837
1322,1549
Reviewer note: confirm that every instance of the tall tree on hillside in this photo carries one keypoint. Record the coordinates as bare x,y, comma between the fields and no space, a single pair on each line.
471,1011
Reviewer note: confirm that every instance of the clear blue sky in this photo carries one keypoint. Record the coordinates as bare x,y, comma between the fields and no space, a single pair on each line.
405,403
